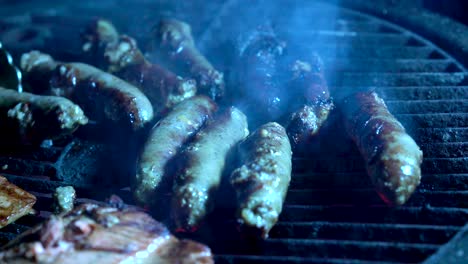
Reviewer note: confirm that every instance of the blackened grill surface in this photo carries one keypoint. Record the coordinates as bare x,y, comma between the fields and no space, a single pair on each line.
332,214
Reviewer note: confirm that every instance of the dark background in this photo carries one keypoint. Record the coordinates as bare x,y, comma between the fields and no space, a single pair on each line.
456,9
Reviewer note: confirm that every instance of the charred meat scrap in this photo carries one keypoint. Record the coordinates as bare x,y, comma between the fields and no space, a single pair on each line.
120,55
174,42
163,143
311,101
393,159
29,119
259,90
103,97
14,202
201,166
262,180
102,234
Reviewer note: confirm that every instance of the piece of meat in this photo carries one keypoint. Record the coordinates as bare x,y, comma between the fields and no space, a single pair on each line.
260,92
311,100
103,97
28,118
262,180
392,157
103,234
95,37
120,55
163,88
174,40
163,143
14,202
201,166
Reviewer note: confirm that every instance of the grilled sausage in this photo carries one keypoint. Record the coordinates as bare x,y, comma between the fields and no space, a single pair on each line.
103,97
201,165
29,118
261,183
174,39
309,88
261,94
163,143
392,157
120,55
163,88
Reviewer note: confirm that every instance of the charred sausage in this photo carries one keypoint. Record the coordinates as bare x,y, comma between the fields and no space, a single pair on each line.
201,165
261,93
174,38
393,159
103,97
120,55
29,118
163,88
309,88
262,181
164,141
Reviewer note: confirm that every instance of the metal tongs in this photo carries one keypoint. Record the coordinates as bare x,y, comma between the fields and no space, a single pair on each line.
10,75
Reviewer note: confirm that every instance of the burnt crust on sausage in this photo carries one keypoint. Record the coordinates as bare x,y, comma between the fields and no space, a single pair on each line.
310,89
262,180
393,159
30,118
201,165
103,97
175,41
164,142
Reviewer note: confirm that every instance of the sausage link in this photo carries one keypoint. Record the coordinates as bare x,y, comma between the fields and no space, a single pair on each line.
102,96
120,55
163,88
201,166
310,89
30,118
175,39
393,159
261,92
262,181
164,141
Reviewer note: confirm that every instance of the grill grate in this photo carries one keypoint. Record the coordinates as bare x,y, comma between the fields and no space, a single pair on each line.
331,215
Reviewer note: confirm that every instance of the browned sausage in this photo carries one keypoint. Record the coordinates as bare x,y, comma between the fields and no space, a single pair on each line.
30,118
120,55
102,96
163,88
201,166
163,143
310,89
174,39
393,159
262,181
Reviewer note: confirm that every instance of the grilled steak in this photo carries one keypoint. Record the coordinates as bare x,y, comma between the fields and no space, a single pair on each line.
175,41
393,159
262,181
103,97
201,166
102,234
14,202
29,118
